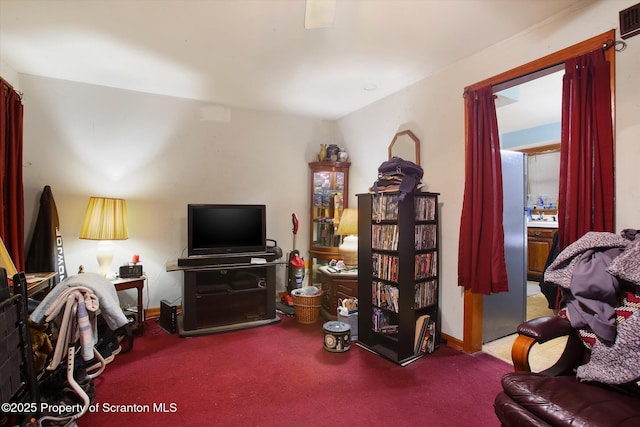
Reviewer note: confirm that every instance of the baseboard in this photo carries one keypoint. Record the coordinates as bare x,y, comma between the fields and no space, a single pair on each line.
154,312
452,342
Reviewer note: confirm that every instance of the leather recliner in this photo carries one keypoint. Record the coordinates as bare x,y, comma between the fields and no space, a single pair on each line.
555,397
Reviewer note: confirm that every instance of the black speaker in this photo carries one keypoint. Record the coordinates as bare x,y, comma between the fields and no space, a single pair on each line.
168,316
272,246
131,271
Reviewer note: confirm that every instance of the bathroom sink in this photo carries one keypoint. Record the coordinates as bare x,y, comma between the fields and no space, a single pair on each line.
542,223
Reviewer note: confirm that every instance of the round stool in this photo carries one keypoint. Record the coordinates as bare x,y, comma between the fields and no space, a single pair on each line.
337,336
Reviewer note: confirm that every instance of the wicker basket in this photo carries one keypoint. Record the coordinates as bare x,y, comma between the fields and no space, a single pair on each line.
307,308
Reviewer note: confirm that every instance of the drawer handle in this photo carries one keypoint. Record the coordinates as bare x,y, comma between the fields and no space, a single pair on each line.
537,233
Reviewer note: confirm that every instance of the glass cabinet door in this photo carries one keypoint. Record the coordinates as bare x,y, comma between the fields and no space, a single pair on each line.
328,203
329,196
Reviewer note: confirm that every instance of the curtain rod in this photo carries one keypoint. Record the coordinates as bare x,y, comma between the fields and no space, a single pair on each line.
8,86
618,45
6,83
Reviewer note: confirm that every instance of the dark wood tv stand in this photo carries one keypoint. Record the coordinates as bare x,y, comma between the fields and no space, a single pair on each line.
226,297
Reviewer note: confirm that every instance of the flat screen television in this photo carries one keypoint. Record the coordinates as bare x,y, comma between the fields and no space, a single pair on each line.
224,229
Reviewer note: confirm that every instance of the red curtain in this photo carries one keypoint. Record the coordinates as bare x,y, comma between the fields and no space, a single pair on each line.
11,200
586,193
481,261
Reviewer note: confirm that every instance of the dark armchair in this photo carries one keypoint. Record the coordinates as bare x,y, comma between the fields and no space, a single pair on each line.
555,396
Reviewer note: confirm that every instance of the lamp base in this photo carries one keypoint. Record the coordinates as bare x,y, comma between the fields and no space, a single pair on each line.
349,250
104,255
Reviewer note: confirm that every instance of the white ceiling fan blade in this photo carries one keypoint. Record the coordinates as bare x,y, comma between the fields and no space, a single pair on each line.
319,13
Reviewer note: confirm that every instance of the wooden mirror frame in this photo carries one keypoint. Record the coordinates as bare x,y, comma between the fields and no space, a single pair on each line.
400,139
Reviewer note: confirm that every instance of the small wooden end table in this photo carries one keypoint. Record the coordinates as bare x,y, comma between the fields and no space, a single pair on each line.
39,282
131,283
339,285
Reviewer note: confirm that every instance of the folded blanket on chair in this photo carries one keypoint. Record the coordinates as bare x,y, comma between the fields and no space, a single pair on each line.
86,328
616,363
582,268
101,287
594,269
560,271
80,292
627,265
62,307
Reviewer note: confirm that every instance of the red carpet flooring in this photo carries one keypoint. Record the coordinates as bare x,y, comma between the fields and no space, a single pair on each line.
280,375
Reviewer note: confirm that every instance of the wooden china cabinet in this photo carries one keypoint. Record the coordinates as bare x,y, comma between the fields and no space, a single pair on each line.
329,196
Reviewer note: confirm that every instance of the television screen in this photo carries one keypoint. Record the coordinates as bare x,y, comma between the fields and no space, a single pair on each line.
219,229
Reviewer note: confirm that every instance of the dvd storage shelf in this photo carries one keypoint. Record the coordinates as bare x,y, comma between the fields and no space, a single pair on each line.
398,281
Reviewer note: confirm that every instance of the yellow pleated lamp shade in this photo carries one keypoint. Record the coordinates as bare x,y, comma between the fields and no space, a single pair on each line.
105,219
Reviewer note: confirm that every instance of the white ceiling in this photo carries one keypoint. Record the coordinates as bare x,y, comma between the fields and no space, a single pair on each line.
256,53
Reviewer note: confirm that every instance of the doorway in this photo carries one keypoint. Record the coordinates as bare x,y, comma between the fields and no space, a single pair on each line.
529,122
473,303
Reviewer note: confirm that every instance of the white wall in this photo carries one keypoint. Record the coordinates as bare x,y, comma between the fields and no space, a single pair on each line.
10,75
160,153
434,110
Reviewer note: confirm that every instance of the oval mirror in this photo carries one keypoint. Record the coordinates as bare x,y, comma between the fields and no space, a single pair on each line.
406,146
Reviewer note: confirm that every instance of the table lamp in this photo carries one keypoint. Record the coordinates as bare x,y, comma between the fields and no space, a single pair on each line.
349,228
105,220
